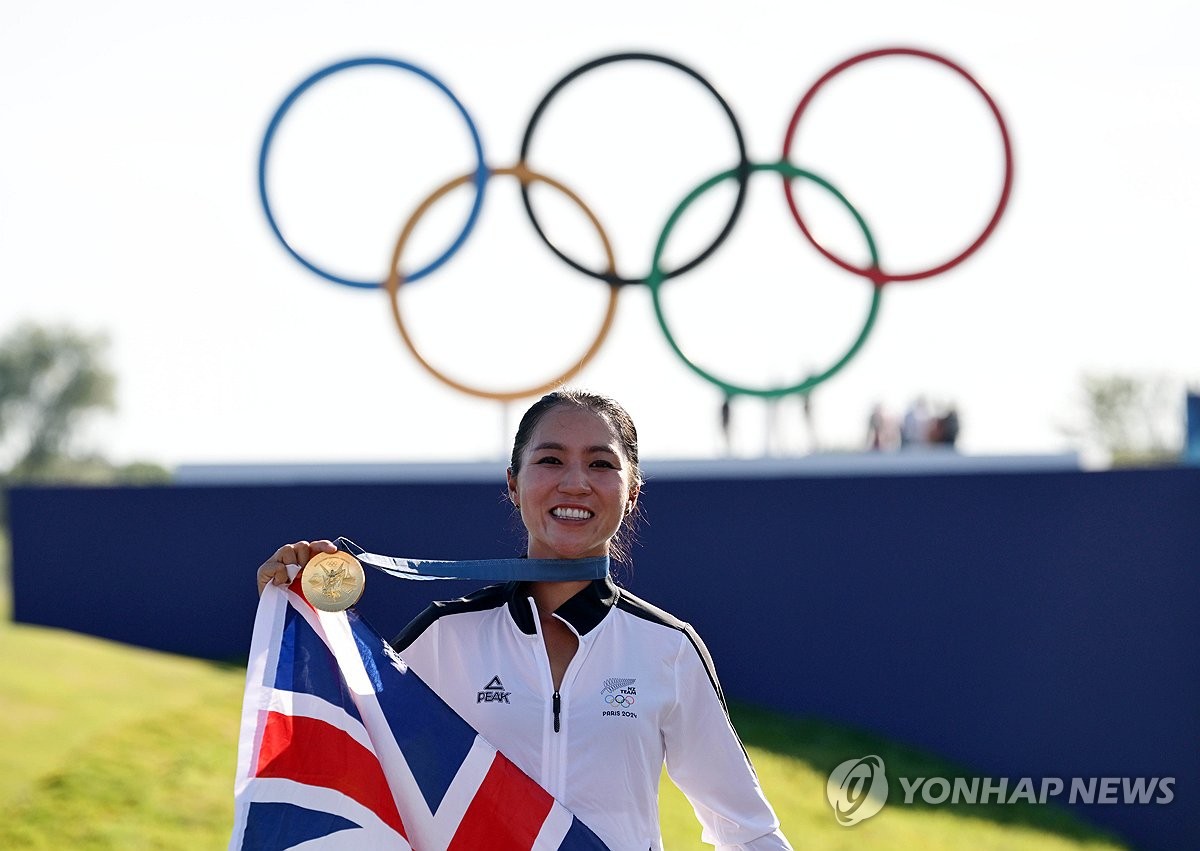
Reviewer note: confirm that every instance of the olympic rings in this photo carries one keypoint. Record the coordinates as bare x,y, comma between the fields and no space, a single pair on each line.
741,172
877,275
620,700
294,95
657,277
525,176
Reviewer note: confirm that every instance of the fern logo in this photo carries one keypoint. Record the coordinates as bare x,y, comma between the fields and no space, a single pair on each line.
857,789
614,683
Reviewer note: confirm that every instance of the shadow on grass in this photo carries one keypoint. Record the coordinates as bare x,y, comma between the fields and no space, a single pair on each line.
823,746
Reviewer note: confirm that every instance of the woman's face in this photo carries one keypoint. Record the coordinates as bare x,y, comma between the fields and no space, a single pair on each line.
573,485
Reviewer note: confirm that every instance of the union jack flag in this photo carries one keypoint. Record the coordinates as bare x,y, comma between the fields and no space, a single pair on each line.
342,747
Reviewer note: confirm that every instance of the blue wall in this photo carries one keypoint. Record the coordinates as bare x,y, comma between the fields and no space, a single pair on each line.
1042,625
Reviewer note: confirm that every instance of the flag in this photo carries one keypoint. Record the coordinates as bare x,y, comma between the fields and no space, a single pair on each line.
343,747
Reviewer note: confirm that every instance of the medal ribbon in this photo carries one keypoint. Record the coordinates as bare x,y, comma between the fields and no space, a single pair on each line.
493,569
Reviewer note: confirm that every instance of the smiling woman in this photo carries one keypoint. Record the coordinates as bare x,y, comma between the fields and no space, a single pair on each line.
586,688
582,477
601,687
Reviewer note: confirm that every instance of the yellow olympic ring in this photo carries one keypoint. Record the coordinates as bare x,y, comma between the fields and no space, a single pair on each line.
394,281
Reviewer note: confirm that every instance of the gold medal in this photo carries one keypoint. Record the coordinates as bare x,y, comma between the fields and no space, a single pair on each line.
333,582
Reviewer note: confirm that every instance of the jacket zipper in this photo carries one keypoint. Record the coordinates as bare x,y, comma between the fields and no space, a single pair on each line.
557,711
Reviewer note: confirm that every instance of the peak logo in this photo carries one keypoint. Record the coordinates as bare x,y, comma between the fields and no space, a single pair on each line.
493,692
857,789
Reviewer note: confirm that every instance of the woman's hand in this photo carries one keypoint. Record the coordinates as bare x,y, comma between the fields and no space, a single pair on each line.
274,570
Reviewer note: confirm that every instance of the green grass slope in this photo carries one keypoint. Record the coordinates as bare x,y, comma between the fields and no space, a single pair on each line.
104,746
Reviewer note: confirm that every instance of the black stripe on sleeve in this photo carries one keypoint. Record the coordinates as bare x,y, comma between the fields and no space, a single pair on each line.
490,597
646,611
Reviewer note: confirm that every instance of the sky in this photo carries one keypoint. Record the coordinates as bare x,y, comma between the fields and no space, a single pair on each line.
129,207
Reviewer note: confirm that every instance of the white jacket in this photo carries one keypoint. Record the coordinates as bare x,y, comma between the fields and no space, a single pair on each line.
640,689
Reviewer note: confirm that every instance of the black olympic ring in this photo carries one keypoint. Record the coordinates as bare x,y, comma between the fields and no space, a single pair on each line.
742,167
740,172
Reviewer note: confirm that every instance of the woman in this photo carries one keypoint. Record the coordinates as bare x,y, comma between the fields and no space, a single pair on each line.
585,687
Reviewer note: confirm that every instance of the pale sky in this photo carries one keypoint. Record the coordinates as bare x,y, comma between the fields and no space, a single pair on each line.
129,206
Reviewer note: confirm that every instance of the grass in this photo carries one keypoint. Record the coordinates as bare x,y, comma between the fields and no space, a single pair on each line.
105,746
793,758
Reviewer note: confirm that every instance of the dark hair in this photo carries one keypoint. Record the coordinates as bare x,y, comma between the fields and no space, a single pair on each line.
619,422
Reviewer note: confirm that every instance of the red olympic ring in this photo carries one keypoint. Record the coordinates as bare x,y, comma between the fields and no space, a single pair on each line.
876,274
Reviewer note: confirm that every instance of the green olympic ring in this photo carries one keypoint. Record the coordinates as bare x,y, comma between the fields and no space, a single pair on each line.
657,278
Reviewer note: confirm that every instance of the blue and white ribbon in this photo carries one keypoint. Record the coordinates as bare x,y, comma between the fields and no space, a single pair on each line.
491,569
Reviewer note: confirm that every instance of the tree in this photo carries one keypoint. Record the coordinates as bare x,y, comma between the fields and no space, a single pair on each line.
1136,420
51,381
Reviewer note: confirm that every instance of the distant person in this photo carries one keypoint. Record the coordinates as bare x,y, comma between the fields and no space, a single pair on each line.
881,430
914,429
948,427
727,424
810,421
576,655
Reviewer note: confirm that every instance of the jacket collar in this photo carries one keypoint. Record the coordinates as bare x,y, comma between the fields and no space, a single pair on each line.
583,612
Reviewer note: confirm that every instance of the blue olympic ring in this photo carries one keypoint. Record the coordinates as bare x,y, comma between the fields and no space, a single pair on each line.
481,169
